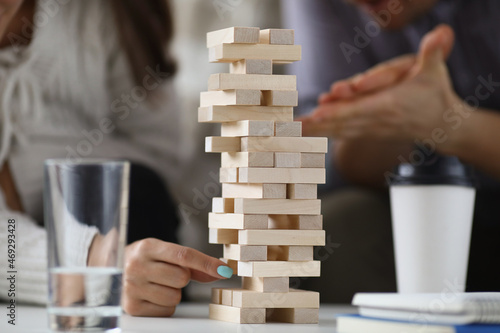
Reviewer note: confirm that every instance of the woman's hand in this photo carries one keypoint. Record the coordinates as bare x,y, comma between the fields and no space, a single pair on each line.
156,271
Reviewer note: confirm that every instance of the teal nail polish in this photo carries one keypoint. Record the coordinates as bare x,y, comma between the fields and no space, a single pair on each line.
225,271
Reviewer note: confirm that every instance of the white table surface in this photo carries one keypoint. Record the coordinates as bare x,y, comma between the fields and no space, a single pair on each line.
189,317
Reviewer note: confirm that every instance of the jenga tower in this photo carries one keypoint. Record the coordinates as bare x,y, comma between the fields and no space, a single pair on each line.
269,218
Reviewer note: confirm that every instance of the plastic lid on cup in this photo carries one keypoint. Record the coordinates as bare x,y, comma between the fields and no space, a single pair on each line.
433,170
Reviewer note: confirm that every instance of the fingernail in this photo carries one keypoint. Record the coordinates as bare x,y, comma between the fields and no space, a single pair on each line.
225,271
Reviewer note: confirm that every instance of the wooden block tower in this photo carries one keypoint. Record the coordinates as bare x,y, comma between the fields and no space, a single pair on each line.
269,218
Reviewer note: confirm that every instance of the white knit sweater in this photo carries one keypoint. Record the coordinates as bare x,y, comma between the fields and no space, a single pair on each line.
70,94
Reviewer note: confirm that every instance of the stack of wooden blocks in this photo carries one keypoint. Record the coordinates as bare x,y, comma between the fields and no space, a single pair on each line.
269,218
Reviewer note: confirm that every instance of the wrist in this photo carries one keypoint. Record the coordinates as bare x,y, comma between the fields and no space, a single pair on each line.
459,122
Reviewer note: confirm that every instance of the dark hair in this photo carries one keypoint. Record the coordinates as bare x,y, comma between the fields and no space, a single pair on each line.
145,29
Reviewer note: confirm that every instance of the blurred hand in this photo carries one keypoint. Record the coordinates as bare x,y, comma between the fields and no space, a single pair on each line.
399,100
155,273
102,251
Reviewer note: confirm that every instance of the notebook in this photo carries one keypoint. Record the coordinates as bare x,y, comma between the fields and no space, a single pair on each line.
443,308
359,324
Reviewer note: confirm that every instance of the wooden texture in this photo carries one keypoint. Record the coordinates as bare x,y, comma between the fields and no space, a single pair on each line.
222,236
277,36
233,264
219,144
276,206
266,284
247,159
279,268
224,114
228,175
216,297
237,221
236,315
223,205
281,175
248,128
296,222
227,81
281,144
256,191
252,66
312,160
288,128
236,52
233,35
282,237
230,97
290,253
292,299
287,160
293,316
227,297
280,97
302,191
244,252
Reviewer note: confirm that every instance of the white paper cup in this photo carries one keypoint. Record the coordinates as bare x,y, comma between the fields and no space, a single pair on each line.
432,230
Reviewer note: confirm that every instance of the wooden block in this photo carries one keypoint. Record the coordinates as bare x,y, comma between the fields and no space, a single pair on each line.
247,159
245,252
236,315
280,98
235,52
230,97
292,299
252,66
277,206
282,237
219,144
261,191
312,160
287,160
302,191
281,175
281,144
216,296
293,316
279,268
223,205
248,128
227,297
222,236
225,81
237,221
296,222
277,36
233,264
288,128
224,114
233,35
266,284
228,175
290,253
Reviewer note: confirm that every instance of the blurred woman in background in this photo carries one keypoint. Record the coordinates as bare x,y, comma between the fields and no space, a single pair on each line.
93,78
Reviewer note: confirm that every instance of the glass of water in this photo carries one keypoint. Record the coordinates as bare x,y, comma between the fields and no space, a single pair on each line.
86,208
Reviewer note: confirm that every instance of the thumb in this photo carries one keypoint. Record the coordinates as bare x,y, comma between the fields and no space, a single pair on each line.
436,46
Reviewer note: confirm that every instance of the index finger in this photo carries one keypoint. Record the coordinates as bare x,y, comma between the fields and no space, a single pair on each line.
190,258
